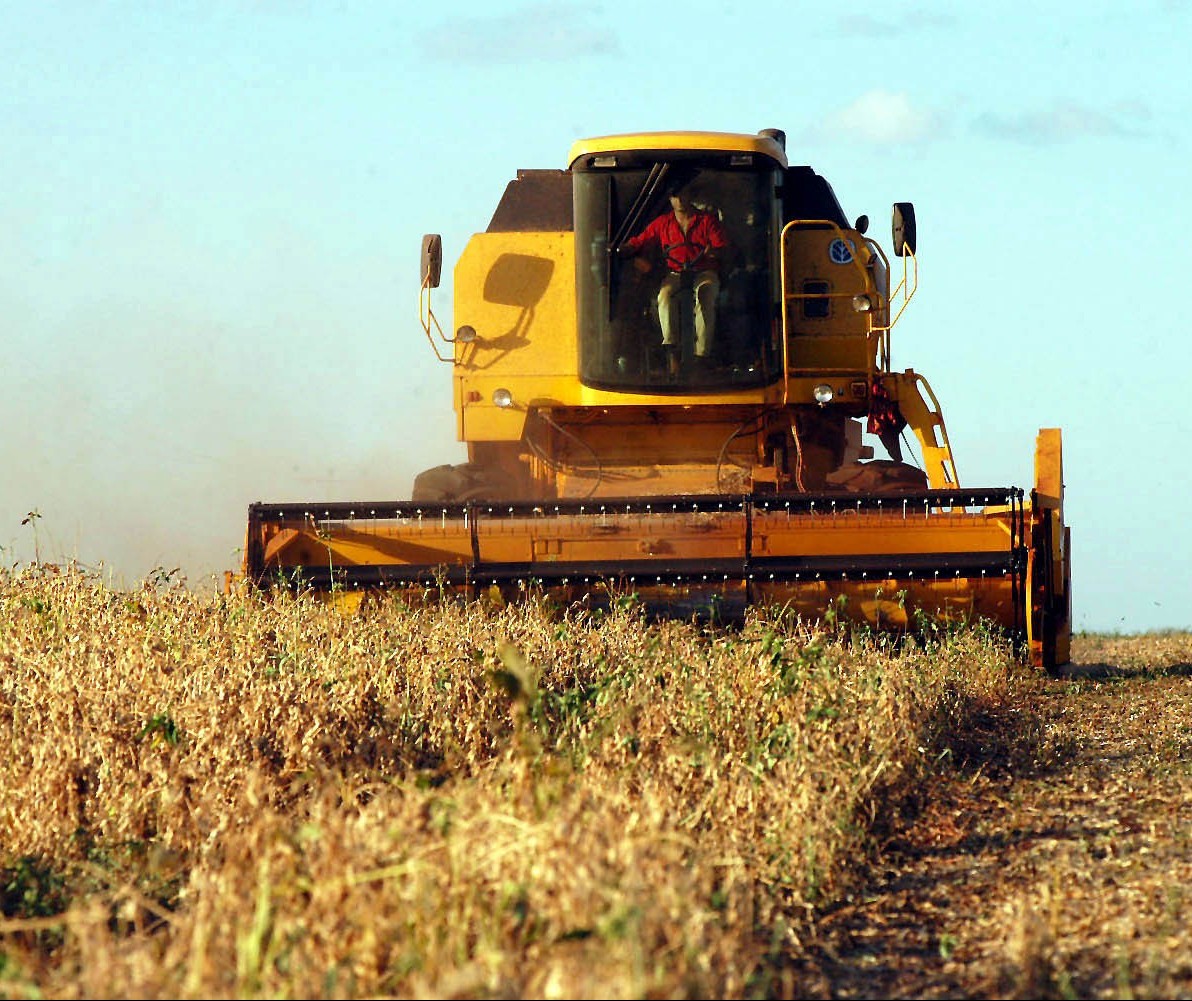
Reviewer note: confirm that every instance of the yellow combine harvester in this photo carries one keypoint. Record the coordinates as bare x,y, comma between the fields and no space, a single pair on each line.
666,358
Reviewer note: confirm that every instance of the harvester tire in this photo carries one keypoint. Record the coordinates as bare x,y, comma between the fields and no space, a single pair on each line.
880,476
458,484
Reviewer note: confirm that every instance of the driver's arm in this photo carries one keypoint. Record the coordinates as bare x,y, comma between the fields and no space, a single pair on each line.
718,251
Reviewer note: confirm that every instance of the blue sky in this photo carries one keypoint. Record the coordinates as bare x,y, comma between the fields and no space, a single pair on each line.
211,215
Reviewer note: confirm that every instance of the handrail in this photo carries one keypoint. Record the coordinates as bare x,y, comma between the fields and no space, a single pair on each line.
426,317
903,287
938,450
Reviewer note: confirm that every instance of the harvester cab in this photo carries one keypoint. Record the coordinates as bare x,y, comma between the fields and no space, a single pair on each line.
666,357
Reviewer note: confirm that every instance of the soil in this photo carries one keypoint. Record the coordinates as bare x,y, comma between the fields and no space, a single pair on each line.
1054,861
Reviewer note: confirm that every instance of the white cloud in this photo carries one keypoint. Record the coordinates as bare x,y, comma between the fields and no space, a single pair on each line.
1064,121
863,24
881,118
533,32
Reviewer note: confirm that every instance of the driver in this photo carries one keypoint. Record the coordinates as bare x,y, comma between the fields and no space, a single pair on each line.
689,238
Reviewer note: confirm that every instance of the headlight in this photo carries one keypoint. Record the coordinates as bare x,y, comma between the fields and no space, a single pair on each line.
862,303
465,334
502,398
823,393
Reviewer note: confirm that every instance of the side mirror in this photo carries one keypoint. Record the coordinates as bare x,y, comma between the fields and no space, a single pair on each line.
862,224
432,259
903,229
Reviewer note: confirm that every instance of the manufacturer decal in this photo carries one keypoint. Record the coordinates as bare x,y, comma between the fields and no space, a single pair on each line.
840,251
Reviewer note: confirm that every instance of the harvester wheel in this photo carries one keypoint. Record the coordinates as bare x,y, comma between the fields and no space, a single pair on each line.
456,484
879,476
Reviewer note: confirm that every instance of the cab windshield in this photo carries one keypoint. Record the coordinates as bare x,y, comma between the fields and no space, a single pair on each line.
675,272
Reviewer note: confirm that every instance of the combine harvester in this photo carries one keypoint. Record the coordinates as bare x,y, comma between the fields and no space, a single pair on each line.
721,469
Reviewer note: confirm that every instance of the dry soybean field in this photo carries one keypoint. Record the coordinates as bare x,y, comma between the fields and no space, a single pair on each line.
226,797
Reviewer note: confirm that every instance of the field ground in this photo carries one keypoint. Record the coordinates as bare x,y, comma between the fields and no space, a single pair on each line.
1055,862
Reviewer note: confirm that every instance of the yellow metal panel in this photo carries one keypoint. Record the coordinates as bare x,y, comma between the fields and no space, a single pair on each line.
616,537
586,396
809,258
729,142
1049,577
1049,469
1049,495
415,542
517,291
846,533
484,421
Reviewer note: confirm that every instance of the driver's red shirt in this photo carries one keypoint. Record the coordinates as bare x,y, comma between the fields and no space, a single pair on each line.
704,234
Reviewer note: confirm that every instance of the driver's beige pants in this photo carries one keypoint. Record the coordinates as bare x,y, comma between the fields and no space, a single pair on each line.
706,286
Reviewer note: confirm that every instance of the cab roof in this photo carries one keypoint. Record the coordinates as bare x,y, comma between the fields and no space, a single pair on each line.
714,142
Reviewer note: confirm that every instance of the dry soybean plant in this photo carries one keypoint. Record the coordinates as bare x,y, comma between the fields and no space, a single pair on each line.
210,796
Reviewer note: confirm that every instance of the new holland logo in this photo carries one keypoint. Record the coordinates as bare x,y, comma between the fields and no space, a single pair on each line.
840,251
